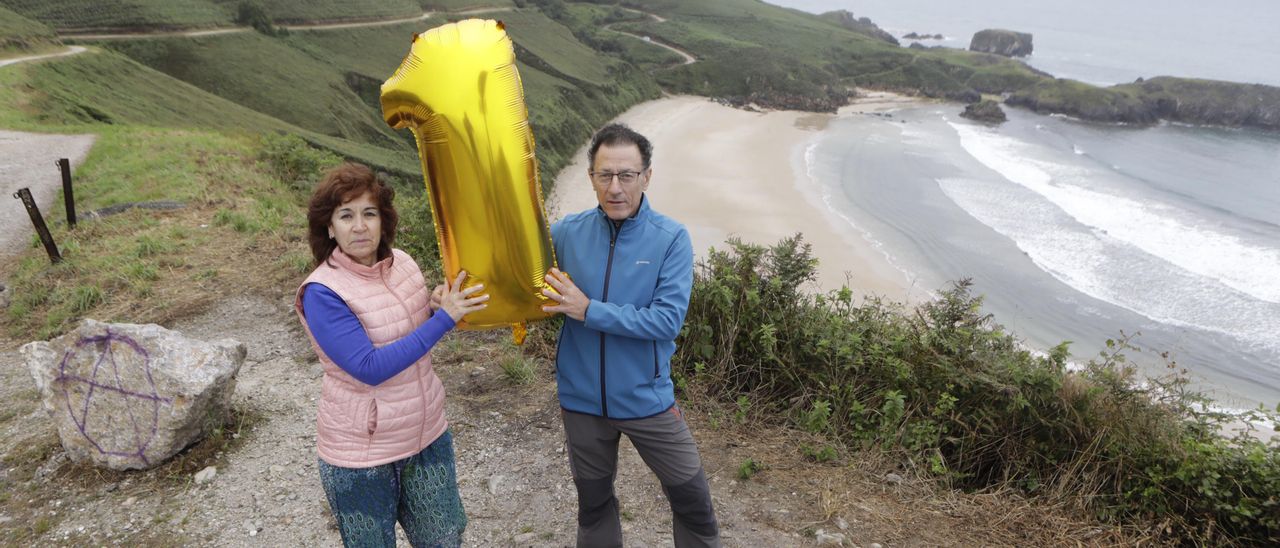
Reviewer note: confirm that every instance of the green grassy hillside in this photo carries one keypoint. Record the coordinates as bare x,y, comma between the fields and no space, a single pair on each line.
780,57
18,33
457,5
269,76
317,80
554,47
301,11
149,14
169,14
103,88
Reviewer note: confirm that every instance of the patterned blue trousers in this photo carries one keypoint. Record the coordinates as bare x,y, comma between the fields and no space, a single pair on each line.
420,492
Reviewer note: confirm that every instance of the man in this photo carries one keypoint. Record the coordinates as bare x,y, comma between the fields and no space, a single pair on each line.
632,271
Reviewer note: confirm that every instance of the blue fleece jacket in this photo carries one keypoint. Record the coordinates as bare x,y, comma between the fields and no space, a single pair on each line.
617,363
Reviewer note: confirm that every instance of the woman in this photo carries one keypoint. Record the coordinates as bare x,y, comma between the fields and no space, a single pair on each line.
386,454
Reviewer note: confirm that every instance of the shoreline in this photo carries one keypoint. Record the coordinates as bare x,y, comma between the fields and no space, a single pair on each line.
726,172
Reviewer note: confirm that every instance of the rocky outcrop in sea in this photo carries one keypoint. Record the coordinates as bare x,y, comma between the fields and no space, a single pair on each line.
1002,42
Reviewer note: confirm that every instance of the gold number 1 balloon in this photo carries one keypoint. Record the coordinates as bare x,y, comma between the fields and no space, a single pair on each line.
458,90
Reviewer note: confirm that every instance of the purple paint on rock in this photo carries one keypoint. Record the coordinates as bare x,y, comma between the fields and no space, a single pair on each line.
108,355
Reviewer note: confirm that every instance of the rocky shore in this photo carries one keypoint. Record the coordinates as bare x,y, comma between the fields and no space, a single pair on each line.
1183,100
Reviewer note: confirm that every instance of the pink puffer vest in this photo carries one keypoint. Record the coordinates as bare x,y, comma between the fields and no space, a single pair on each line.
358,425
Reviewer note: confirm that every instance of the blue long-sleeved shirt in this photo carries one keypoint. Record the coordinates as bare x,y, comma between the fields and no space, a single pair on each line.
342,337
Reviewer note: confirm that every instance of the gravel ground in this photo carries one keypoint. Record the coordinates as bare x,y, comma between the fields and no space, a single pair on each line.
29,160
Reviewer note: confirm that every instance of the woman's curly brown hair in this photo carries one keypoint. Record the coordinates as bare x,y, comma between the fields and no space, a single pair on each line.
341,185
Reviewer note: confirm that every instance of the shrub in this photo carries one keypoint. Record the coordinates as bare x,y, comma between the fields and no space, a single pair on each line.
945,386
291,160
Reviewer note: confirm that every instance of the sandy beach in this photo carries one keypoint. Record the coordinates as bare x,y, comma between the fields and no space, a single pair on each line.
726,172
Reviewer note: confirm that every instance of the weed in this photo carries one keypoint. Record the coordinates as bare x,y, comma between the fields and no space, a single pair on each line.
141,271
748,469
818,454
518,369
149,246
744,405
816,420
84,297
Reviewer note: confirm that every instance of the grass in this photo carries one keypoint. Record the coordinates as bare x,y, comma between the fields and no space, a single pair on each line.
91,91
174,14
145,266
18,33
301,11
146,14
268,76
84,92
553,48
518,369
378,55
457,5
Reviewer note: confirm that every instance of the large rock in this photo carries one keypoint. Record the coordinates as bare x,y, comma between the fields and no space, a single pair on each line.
985,110
129,396
860,25
1002,42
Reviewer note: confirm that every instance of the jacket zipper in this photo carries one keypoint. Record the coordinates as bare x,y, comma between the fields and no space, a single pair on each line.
608,270
409,313
655,359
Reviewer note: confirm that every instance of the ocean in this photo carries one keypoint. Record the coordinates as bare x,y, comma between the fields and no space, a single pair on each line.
1081,231
1102,42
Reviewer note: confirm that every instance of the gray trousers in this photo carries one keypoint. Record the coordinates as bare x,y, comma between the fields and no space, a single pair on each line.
667,447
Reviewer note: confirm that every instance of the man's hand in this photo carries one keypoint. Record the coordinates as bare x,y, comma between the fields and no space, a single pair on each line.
569,299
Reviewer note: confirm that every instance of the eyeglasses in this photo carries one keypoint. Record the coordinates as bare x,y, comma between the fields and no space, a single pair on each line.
605,178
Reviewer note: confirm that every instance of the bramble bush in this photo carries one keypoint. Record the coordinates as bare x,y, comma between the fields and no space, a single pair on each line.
949,390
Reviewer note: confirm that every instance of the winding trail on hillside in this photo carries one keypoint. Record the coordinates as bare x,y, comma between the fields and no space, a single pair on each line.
689,59
235,30
71,50
296,27
28,160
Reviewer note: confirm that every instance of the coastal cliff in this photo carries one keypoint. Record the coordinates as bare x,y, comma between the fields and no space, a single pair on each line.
860,25
1183,100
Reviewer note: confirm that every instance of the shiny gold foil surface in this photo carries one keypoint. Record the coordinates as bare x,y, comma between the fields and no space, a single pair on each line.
458,90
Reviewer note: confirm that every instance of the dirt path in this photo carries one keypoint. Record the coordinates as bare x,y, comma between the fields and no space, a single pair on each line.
301,27
29,160
71,50
689,59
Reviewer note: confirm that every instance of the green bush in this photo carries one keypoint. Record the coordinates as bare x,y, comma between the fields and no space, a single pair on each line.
292,160
251,13
944,386
416,234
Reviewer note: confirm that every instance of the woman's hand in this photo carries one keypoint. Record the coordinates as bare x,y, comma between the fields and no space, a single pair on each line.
458,302
437,297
